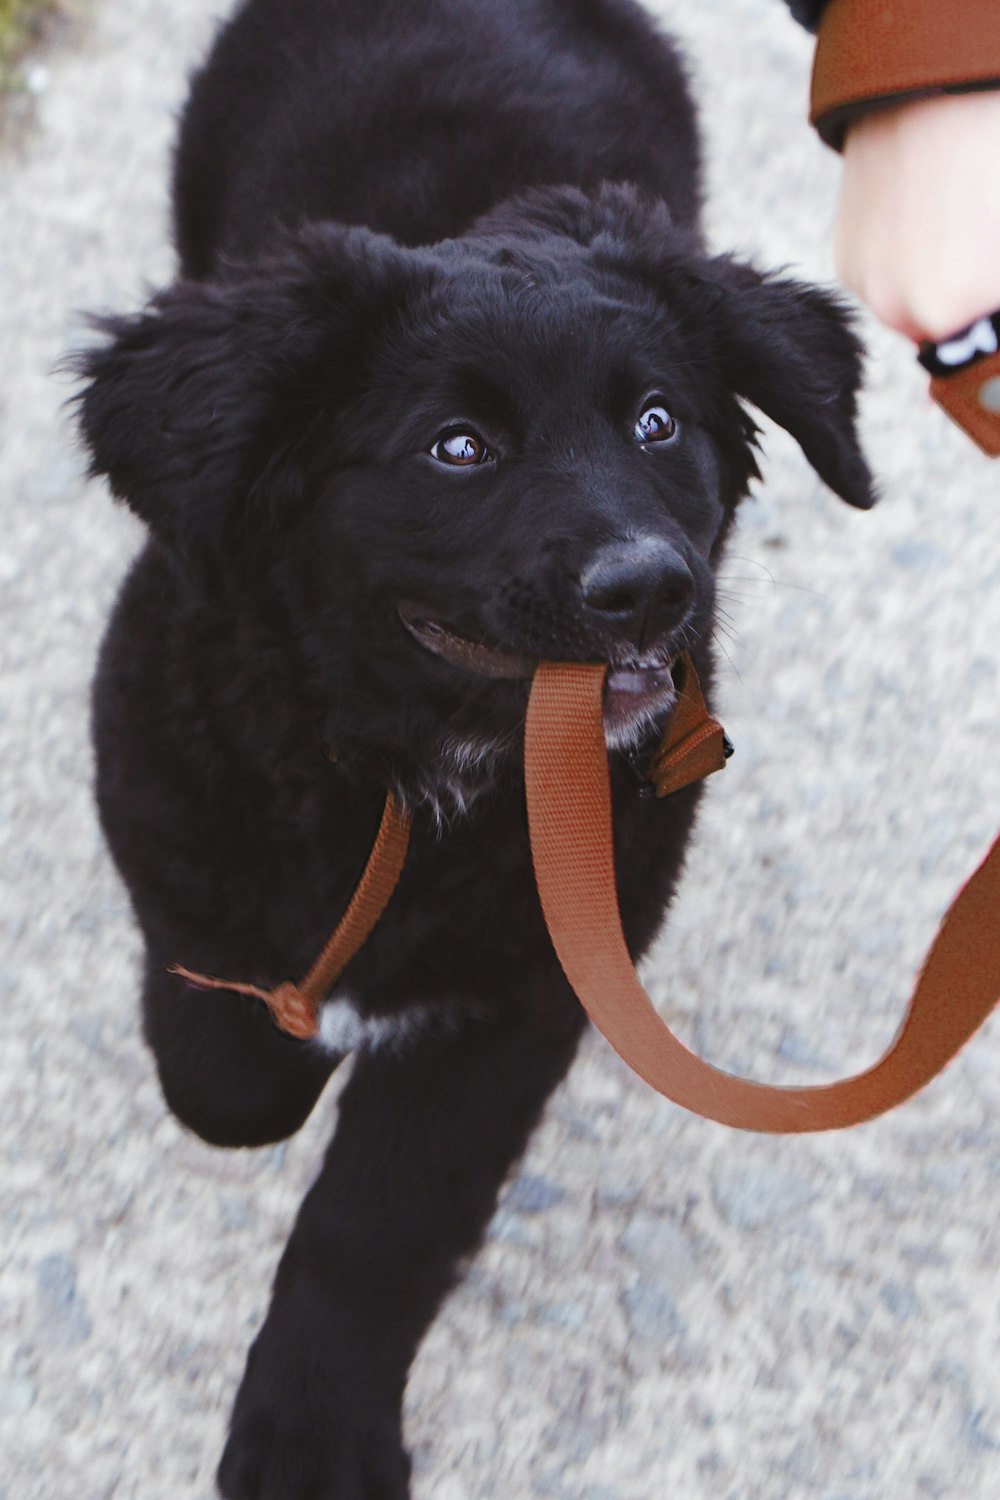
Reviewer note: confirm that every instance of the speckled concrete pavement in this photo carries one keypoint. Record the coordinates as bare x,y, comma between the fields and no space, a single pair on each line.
662,1307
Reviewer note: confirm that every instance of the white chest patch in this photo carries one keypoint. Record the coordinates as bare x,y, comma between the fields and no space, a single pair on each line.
342,1029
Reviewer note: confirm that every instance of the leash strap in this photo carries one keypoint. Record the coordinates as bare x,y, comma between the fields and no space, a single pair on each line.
569,818
295,1007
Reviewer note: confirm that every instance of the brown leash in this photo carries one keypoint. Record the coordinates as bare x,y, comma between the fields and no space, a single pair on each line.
295,1007
569,819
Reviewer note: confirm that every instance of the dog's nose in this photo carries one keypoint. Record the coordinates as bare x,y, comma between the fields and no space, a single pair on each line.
642,588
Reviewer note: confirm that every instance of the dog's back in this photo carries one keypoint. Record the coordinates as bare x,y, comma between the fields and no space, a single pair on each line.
415,118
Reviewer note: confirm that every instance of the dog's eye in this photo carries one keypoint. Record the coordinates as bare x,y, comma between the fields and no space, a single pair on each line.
461,449
656,425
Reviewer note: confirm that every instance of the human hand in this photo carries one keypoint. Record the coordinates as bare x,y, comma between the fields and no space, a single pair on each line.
918,225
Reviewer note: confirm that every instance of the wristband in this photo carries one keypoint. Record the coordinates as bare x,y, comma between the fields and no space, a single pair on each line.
871,53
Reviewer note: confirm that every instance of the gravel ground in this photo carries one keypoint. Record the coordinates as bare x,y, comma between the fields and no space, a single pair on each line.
662,1306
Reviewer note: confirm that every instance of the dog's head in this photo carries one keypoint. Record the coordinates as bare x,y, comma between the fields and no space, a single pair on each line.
448,462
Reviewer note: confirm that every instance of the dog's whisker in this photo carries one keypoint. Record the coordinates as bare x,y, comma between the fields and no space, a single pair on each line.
722,647
769,581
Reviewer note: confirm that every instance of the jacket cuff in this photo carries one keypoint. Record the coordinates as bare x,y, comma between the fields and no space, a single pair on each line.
869,54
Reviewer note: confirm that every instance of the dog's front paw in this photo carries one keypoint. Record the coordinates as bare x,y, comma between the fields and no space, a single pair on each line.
302,1429
276,1454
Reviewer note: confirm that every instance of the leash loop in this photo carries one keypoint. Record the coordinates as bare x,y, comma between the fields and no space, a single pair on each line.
569,818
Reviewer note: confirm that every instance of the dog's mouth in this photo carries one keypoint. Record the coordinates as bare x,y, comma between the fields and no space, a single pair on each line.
460,651
639,686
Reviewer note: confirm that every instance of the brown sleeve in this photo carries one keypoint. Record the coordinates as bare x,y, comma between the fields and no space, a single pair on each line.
871,53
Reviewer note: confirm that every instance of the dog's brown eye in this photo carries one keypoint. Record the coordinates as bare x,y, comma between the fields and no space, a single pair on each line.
656,425
463,450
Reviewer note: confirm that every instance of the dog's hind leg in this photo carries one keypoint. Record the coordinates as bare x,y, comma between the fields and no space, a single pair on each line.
426,1136
226,1070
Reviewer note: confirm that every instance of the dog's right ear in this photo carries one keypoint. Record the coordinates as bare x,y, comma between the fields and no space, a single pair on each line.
197,409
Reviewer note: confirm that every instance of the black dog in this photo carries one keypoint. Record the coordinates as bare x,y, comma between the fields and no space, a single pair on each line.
385,469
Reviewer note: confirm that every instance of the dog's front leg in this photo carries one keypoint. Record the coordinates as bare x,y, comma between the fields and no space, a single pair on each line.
426,1135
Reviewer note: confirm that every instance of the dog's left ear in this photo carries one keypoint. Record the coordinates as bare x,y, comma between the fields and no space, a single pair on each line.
199,409
788,348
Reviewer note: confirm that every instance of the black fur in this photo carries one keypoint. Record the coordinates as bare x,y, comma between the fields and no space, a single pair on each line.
809,12
270,418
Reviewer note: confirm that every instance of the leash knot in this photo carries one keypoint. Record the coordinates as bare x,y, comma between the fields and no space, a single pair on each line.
293,1011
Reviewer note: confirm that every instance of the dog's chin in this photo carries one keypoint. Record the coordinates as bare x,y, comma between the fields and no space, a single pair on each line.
637,700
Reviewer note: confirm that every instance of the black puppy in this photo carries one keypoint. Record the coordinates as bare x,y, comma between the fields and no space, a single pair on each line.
385,469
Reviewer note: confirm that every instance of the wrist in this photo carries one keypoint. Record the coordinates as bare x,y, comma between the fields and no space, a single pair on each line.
919,215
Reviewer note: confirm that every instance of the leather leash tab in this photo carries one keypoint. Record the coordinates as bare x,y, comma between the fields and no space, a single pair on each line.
569,819
965,382
295,1007
972,399
694,745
